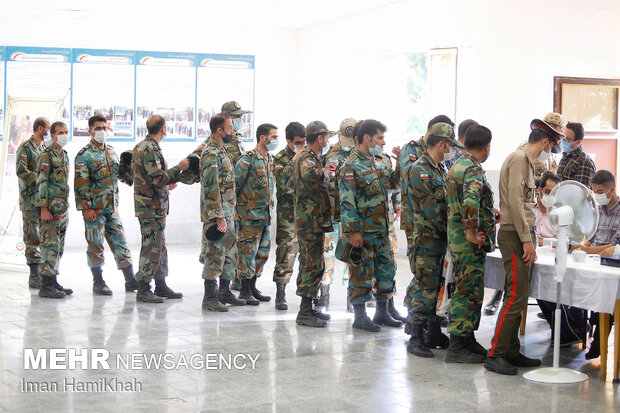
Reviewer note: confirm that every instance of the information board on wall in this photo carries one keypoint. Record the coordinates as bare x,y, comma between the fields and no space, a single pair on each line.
2,94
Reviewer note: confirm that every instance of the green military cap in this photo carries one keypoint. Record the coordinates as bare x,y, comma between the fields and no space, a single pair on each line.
346,131
226,239
349,254
317,127
233,108
126,157
444,130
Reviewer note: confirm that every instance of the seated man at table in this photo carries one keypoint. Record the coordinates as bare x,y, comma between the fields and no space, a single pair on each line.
607,234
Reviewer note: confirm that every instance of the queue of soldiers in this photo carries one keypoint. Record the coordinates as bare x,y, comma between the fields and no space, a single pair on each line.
346,189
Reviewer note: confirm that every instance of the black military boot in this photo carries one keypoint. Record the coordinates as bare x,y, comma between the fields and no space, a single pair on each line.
227,297
416,345
145,295
318,314
235,284
34,280
475,347
324,297
435,338
246,292
458,352
493,305
210,301
281,303
99,285
48,289
305,316
67,291
131,284
162,290
394,313
500,365
256,292
349,306
383,317
362,321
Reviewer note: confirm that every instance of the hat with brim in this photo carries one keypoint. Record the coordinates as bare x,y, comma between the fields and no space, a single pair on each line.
233,108
541,125
446,132
349,254
225,239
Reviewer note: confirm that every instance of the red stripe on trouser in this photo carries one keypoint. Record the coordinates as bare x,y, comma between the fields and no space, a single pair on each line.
507,308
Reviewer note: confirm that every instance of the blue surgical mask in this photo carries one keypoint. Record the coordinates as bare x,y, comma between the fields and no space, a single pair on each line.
237,124
377,150
272,145
47,137
565,147
346,148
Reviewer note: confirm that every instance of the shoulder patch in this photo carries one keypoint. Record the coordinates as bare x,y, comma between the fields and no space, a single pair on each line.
311,162
279,166
412,156
213,165
349,175
245,163
45,164
424,175
478,182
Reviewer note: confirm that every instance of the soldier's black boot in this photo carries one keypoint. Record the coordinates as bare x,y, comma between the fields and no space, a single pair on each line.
306,317
162,290
34,280
493,305
435,338
349,306
324,297
362,321
474,346
246,292
210,301
318,314
99,285
227,297
416,345
394,313
67,291
235,284
500,365
383,317
145,295
281,303
48,289
458,352
256,292
131,284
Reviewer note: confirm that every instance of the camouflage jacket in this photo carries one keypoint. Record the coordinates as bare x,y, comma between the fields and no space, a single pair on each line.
470,204
254,186
234,148
52,181
26,166
364,193
408,155
338,155
312,209
217,195
426,194
151,179
96,178
385,162
283,170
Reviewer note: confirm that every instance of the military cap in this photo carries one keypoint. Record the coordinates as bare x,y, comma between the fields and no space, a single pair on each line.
226,239
550,131
554,119
346,132
349,254
445,131
233,108
194,162
126,158
317,127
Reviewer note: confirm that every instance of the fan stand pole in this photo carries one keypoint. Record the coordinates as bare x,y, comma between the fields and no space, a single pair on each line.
557,374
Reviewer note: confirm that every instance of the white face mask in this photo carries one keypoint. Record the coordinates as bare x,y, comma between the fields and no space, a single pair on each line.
325,149
544,156
99,136
297,148
449,155
546,201
601,199
62,140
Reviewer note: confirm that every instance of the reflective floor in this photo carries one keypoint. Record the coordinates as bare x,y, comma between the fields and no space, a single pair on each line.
298,368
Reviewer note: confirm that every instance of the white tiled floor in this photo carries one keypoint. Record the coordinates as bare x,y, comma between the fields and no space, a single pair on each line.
299,368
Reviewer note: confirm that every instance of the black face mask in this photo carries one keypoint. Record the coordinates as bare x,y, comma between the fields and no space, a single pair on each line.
227,138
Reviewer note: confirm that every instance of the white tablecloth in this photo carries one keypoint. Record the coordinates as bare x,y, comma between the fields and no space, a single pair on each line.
588,285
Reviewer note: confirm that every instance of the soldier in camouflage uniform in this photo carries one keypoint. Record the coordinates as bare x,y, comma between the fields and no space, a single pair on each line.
471,234
286,239
312,219
217,207
426,194
152,183
96,195
364,216
52,201
255,185
234,147
336,155
26,160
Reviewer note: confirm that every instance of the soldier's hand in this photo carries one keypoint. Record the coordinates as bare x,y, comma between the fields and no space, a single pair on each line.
356,239
89,214
184,164
296,156
396,151
529,253
221,224
540,240
498,215
46,215
474,237
171,187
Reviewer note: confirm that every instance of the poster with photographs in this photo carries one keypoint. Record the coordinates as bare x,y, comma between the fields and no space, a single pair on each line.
104,84
222,78
2,66
166,85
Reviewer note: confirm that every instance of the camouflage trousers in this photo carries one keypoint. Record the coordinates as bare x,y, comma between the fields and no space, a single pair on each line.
217,261
378,270
466,302
410,248
153,253
311,264
329,256
31,236
287,249
106,226
253,244
52,244
423,289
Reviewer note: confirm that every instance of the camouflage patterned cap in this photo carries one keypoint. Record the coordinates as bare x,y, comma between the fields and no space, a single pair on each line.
346,132
316,127
233,108
554,119
443,130
349,254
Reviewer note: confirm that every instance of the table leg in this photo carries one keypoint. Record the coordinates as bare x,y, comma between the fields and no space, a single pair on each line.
603,323
523,320
616,342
